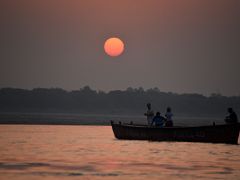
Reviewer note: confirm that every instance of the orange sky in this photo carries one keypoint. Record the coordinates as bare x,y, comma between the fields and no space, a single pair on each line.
55,43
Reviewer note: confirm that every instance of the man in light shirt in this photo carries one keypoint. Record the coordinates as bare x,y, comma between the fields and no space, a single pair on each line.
149,114
169,115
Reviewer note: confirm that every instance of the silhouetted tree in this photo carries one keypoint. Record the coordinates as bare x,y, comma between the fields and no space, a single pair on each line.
129,101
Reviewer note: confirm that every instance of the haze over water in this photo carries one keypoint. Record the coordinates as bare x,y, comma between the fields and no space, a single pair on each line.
92,152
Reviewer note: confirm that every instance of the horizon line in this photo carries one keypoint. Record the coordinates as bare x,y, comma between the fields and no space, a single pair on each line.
134,89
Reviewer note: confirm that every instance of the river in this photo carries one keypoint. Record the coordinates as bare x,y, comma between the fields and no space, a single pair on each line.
92,152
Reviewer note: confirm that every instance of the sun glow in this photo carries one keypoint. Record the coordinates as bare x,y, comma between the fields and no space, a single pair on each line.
114,46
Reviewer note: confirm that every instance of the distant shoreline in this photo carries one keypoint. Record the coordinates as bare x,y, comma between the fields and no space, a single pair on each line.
113,103
18,118
38,118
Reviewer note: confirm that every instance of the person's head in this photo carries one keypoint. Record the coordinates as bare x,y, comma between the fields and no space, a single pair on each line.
168,109
230,110
158,114
148,105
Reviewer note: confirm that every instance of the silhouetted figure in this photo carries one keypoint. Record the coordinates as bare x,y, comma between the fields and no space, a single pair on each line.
149,114
169,115
158,120
232,117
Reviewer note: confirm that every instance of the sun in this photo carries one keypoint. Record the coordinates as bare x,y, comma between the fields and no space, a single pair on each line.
114,46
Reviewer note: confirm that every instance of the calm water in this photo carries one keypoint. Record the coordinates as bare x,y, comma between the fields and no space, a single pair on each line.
92,152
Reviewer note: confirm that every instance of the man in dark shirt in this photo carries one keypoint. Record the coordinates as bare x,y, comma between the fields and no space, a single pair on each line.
232,117
158,120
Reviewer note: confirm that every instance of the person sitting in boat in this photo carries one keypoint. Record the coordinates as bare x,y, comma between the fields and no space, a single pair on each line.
149,114
232,117
169,115
158,120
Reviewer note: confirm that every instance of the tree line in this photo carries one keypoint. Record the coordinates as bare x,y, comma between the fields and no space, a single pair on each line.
129,101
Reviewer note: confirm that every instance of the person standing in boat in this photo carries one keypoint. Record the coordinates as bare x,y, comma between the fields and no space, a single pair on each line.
158,120
149,114
169,115
232,117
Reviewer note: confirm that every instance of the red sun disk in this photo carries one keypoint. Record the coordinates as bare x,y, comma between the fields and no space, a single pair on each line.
114,46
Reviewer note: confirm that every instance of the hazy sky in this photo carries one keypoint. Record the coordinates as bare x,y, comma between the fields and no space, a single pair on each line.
181,46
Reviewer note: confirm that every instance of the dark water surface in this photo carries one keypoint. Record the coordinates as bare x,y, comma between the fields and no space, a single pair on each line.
92,152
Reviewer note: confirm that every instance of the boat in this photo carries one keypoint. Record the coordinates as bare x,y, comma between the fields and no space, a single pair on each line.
225,133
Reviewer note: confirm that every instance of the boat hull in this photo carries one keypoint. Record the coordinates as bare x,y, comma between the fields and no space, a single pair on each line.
209,134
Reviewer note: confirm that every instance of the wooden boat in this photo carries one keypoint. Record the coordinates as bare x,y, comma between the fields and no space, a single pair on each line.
227,133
